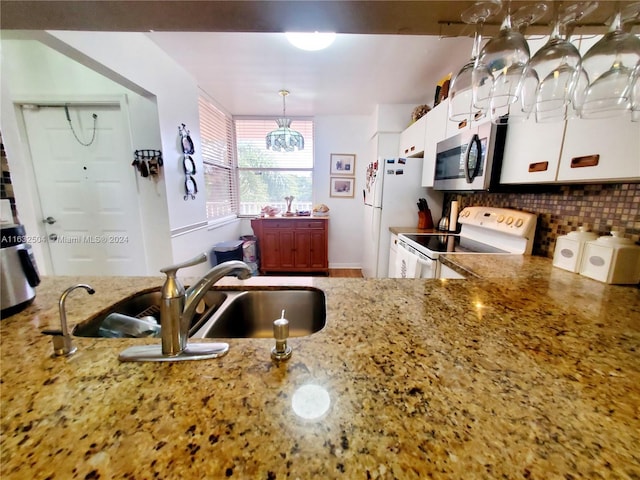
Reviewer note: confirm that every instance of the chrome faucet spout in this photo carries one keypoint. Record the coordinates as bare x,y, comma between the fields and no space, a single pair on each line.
195,293
177,309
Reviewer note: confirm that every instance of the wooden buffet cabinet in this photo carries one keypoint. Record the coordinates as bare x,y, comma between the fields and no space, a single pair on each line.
295,244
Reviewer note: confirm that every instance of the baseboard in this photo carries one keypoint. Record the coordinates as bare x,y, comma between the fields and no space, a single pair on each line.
337,266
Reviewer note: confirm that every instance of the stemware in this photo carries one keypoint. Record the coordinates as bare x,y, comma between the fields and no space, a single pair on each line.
513,94
558,64
505,55
461,92
610,65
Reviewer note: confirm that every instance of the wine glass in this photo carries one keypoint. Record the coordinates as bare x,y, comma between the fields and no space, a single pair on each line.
505,55
610,65
461,92
513,94
635,95
558,64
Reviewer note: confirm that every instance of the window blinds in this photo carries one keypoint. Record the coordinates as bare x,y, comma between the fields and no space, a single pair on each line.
216,131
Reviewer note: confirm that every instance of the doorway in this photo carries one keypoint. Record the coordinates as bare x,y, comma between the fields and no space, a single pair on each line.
87,189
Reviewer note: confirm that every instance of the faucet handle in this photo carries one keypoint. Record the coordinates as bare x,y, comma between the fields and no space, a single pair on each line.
171,271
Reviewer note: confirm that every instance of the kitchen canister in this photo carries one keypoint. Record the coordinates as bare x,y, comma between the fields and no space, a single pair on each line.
569,249
611,259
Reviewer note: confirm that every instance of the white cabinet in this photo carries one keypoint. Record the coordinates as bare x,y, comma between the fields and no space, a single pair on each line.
436,131
412,139
607,149
531,152
574,151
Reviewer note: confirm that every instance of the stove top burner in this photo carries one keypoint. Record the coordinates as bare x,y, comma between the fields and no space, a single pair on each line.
449,243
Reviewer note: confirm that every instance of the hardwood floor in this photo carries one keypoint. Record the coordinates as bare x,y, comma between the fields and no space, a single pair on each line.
345,272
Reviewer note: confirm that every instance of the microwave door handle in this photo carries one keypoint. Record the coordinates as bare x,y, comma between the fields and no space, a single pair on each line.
467,155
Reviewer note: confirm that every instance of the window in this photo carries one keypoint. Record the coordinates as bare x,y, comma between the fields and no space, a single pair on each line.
217,156
266,177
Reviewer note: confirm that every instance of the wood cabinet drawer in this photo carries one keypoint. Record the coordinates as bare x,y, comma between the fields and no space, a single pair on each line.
314,224
296,224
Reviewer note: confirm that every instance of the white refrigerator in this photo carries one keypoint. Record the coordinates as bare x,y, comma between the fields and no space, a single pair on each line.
391,193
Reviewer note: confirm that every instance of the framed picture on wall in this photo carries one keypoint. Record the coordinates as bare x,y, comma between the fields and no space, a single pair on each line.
342,187
343,164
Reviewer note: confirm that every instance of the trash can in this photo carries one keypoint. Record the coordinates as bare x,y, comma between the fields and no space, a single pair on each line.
226,251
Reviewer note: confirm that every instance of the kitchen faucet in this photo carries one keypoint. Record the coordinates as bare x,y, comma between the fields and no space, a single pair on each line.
62,341
177,309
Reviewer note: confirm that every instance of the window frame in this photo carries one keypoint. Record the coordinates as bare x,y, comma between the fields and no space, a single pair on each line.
310,170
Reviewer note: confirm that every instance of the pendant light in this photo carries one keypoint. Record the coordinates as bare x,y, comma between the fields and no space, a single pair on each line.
283,139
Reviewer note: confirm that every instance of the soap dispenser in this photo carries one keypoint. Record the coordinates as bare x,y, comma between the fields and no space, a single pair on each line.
281,351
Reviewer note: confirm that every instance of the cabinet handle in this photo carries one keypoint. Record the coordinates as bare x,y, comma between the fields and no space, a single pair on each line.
586,161
462,124
538,167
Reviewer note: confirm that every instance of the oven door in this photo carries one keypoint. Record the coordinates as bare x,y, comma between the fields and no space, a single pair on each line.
410,263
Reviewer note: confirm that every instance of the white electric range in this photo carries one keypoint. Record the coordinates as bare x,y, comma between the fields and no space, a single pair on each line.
483,230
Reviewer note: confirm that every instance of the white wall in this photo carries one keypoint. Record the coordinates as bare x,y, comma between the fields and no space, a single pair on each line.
342,134
161,97
32,71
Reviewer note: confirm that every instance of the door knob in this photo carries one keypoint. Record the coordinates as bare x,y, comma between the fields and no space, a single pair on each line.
53,237
49,220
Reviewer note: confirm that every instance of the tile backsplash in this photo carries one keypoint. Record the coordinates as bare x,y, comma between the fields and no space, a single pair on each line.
602,208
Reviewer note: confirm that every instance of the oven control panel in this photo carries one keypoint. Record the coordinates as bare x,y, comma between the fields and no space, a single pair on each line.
513,222
510,230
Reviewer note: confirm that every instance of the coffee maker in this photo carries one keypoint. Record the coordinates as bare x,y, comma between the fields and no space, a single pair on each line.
18,271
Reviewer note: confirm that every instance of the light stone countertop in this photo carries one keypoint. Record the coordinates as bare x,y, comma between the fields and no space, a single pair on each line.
531,372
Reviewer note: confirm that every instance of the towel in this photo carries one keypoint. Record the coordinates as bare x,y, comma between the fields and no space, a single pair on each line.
407,265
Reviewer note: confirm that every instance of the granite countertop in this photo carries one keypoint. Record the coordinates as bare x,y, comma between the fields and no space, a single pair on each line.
532,374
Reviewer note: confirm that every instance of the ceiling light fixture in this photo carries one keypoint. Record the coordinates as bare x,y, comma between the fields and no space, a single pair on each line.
284,139
311,41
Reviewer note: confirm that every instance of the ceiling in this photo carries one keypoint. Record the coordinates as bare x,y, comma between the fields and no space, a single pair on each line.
386,51
245,71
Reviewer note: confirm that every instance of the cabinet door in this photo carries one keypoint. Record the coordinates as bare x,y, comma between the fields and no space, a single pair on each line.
531,152
270,249
287,248
302,249
318,256
412,139
607,149
436,131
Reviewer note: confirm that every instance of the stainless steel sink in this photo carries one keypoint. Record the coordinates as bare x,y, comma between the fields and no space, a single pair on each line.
147,304
250,314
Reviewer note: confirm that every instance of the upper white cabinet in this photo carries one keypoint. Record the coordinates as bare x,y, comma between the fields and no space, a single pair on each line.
412,139
607,149
573,151
436,131
531,152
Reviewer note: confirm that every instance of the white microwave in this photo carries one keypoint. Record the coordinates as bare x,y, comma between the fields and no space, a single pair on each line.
470,160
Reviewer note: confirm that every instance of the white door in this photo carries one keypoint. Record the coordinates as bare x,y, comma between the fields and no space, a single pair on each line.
90,192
